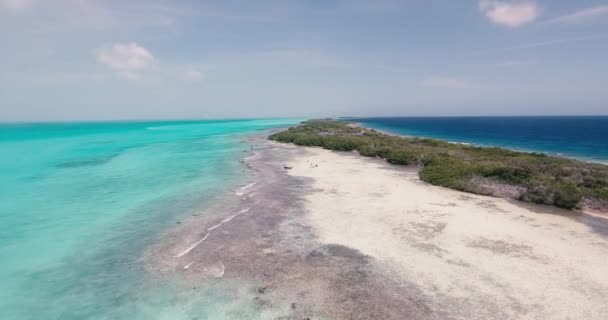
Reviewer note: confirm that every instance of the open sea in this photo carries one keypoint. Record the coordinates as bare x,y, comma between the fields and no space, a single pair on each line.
80,202
582,137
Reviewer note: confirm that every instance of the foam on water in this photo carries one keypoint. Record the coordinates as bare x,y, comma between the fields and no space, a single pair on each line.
214,270
191,247
246,189
215,226
229,219
253,157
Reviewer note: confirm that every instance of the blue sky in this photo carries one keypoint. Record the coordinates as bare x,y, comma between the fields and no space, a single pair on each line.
95,59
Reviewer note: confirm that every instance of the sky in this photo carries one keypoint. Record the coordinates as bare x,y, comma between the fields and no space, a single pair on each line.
160,59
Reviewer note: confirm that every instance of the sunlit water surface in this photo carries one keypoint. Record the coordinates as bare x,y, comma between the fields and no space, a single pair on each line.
80,202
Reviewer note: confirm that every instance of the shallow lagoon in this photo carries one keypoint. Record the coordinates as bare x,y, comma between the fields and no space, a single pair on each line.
80,202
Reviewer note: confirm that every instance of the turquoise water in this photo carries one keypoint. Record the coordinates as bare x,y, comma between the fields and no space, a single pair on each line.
80,202
583,137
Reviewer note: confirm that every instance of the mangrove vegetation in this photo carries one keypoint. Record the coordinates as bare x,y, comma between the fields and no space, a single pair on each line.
529,177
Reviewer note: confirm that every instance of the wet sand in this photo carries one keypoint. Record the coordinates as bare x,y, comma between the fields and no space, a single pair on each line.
343,237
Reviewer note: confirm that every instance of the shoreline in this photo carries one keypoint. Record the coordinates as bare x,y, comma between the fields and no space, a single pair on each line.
356,238
270,260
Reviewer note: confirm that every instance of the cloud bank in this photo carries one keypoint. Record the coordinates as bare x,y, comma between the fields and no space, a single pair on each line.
512,14
128,59
15,6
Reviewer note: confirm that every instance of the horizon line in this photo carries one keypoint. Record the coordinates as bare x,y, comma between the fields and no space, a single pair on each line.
286,118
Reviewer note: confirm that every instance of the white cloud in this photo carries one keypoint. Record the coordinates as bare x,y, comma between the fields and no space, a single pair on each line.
448,83
16,6
192,75
128,59
510,13
580,16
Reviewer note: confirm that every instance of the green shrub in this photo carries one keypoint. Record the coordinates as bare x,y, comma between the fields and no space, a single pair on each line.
425,159
447,172
563,193
597,193
402,157
368,151
566,195
430,142
340,143
511,175
284,136
539,192
383,152
308,140
595,182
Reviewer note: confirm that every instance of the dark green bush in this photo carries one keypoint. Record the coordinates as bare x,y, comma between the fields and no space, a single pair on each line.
285,136
308,140
598,193
539,192
595,182
566,195
383,151
368,151
340,143
447,172
425,159
512,175
402,157
563,194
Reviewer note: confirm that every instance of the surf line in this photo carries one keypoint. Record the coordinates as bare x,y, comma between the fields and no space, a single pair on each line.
245,189
255,156
192,246
196,244
228,219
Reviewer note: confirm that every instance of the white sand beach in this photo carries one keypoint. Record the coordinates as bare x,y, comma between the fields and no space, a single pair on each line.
482,253
340,236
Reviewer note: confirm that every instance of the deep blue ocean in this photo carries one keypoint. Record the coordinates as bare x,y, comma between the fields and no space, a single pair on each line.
81,202
582,137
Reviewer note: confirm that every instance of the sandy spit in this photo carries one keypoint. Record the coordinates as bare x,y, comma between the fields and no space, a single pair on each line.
345,237
490,257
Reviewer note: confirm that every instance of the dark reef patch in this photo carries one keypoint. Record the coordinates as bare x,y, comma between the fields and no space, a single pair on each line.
86,161
272,247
